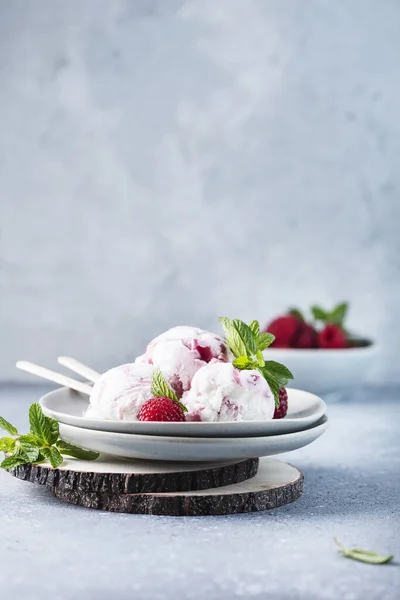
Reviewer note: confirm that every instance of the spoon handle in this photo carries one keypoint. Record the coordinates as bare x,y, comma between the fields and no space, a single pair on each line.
73,384
78,367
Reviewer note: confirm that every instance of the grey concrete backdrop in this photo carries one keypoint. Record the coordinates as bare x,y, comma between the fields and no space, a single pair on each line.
166,161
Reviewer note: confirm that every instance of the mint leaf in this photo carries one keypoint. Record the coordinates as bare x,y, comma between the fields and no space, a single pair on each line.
243,362
295,312
264,340
255,328
260,359
75,451
15,460
6,426
366,556
29,450
53,455
159,387
30,439
272,382
319,314
239,337
44,428
338,315
40,458
7,444
279,371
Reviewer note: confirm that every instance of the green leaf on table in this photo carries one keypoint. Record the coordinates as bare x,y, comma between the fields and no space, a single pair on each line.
264,340
6,426
239,337
44,428
75,451
53,455
7,444
366,556
255,328
16,459
31,451
30,439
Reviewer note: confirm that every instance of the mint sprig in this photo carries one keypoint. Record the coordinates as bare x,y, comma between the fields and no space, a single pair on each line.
247,343
40,444
366,556
240,338
160,388
44,429
336,316
264,340
6,426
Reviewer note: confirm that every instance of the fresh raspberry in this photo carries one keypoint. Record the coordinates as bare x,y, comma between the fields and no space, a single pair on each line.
307,337
281,410
332,336
285,330
161,409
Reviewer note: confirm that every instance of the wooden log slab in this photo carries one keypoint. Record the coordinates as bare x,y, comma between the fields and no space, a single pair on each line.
111,476
275,484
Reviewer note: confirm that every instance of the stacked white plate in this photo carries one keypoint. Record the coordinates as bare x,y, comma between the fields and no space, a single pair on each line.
191,442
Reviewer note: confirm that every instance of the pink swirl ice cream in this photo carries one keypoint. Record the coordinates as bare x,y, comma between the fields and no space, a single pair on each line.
180,352
119,393
220,392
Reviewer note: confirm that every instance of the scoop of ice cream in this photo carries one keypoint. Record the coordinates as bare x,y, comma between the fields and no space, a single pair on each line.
120,392
180,352
219,392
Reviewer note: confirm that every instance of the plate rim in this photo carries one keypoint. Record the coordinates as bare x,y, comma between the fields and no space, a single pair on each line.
94,426
322,422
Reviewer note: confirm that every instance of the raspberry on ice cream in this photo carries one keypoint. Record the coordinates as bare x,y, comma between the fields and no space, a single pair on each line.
281,410
220,392
120,392
180,352
161,409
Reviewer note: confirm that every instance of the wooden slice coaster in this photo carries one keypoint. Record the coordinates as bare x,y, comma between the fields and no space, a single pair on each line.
111,476
275,484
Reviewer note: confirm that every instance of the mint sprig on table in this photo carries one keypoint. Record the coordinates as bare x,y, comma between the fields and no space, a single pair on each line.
366,556
161,389
246,344
40,444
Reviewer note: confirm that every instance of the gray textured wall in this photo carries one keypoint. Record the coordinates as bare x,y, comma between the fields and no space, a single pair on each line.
166,161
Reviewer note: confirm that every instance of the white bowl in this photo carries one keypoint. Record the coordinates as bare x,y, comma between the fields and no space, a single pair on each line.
323,371
68,407
192,449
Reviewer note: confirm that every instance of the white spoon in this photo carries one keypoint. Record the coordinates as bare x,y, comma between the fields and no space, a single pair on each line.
73,384
77,367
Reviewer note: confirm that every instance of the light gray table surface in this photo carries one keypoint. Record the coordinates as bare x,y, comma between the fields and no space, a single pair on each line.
50,550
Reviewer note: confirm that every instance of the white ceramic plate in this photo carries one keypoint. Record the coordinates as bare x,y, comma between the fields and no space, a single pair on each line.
193,449
68,407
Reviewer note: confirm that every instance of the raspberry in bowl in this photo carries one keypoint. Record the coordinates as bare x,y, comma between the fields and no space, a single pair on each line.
324,357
